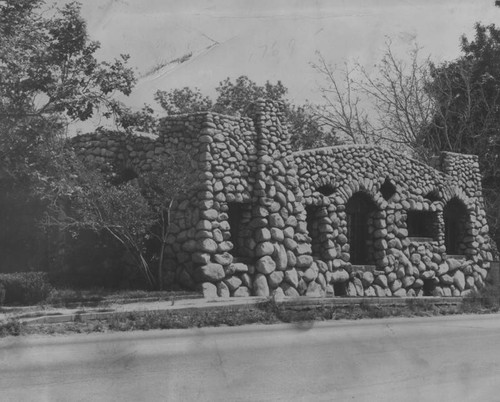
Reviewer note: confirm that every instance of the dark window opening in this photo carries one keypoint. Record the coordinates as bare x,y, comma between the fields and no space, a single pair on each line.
455,227
359,210
387,189
340,289
422,224
235,217
432,196
429,286
312,221
326,189
124,176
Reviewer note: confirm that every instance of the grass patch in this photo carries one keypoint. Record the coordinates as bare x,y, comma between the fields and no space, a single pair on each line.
267,312
176,319
365,309
76,327
484,300
11,328
99,296
64,297
24,288
39,314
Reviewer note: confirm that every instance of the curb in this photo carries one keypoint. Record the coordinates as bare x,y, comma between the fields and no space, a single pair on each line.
302,303
151,299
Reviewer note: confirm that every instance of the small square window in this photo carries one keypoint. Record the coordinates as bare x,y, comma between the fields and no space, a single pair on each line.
422,224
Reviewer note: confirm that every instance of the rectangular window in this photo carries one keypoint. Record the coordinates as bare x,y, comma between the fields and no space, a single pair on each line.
422,224
238,222
312,220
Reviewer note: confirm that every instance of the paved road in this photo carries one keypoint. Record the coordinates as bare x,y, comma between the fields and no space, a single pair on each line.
434,359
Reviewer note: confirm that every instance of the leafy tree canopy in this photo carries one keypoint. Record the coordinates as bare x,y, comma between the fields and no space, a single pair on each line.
235,97
467,111
183,100
133,210
467,92
467,95
48,75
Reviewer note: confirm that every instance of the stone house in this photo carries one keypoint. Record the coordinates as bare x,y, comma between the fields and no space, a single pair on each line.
346,220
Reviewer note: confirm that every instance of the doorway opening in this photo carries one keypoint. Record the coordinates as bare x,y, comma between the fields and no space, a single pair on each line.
236,217
313,215
360,210
455,227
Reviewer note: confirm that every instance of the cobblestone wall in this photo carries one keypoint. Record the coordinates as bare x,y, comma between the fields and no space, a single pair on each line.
404,261
345,220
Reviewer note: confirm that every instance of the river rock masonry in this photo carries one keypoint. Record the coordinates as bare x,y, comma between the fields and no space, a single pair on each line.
346,220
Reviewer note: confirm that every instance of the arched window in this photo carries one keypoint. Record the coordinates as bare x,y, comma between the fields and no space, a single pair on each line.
455,226
359,210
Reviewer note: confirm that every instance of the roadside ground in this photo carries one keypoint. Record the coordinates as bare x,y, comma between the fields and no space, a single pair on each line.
166,310
49,314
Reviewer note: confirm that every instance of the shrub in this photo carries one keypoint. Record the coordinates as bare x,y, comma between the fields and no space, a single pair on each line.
24,287
488,297
10,328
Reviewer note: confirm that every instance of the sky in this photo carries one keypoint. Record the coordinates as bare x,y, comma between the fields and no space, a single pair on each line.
271,39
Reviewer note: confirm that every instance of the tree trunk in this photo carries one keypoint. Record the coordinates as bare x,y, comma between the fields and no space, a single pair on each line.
165,224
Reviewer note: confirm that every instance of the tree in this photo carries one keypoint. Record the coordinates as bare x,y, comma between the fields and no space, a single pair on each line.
84,199
133,210
177,101
467,93
424,108
144,120
341,111
467,114
389,106
306,132
236,98
184,100
49,75
171,179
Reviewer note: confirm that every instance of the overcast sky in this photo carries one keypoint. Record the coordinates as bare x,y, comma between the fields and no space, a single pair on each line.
271,39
